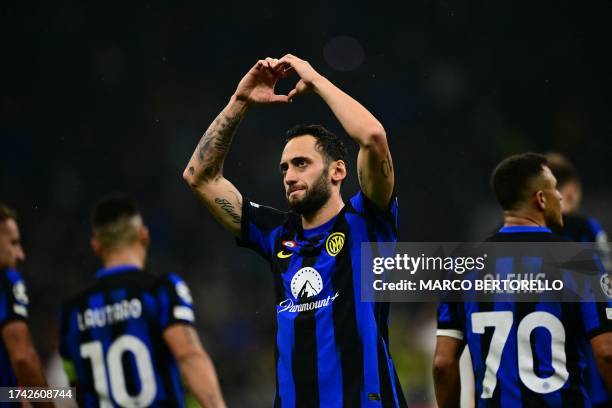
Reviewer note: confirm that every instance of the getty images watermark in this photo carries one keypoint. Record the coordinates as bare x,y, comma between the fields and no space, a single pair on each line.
484,272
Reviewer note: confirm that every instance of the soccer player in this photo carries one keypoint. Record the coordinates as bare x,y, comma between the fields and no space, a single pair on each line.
577,227
331,349
513,366
127,339
19,362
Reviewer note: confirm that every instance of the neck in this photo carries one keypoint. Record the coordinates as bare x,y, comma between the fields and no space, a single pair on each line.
329,210
125,256
517,218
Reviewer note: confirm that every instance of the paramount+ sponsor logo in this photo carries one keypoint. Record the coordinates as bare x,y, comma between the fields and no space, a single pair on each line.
305,284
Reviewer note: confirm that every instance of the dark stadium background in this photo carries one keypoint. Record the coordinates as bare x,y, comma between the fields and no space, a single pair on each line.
102,97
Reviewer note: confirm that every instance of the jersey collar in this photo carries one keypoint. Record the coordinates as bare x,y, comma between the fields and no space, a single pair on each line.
524,228
113,270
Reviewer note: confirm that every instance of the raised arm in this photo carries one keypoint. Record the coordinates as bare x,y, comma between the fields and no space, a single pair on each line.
204,172
374,164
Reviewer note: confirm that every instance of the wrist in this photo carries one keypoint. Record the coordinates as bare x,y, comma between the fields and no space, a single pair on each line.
238,104
318,82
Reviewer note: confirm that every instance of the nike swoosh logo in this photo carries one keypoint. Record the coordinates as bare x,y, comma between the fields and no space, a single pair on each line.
282,254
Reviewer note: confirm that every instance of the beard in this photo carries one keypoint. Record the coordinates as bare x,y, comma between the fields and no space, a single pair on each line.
314,197
554,220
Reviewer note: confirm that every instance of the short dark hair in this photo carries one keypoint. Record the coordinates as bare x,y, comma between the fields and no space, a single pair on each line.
562,168
511,178
327,142
115,221
7,213
112,209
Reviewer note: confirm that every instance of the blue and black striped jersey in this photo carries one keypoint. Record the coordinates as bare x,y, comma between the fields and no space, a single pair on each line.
331,348
526,354
111,338
583,229
13,306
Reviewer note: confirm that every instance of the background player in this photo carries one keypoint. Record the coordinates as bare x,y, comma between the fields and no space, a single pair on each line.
332,349
576,227
580,228
127,339
526,189
19,362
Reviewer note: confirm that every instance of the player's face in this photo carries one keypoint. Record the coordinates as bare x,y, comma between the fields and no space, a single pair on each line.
552,211
572,195
11,251
305,175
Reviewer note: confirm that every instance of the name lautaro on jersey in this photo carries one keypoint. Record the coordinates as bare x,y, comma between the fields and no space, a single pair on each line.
109,314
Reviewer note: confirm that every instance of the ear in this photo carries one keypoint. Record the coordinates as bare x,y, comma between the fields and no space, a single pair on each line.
540,199
143,236
338,171
96,246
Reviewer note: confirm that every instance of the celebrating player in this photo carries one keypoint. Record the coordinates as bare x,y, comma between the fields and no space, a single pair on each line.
577,227
331,348
19,362
515,366
127,339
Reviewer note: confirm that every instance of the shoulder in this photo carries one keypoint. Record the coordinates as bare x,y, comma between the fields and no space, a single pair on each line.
265,217
362,205
176,286
8,277
13,283
526,237
170,280
581,228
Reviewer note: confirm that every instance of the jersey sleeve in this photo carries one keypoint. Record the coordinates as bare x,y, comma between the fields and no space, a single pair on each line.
175,301
14,299
450,320
383,219
261,225
596,317
596,230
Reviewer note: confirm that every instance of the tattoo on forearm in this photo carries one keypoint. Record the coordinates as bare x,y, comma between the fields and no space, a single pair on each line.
214,145
229,209
386,166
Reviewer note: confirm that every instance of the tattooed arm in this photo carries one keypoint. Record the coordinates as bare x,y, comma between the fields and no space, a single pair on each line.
204,172
374,165
195,365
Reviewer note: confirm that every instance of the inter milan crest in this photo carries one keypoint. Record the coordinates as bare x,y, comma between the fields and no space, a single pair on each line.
334,243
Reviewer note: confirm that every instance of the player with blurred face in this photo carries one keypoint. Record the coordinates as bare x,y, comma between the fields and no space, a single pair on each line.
129,313
19,362
581,228
331,348
11,251
523,368
569,183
